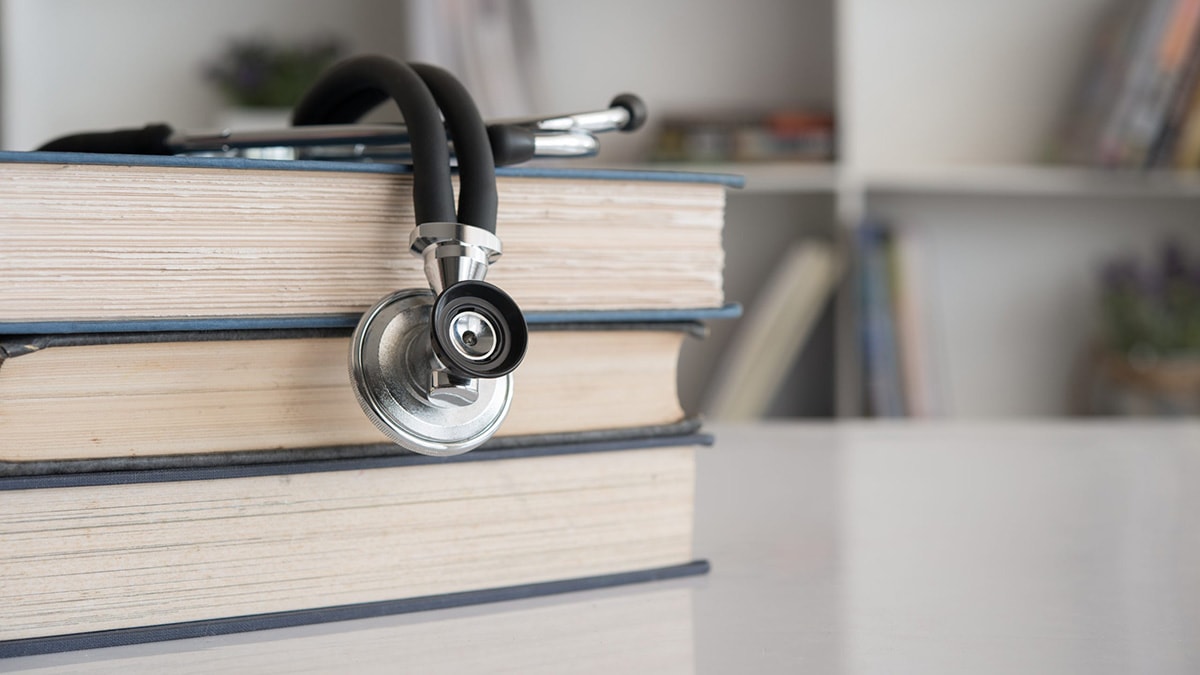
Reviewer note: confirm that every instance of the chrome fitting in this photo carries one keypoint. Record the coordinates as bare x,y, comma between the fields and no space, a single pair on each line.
450,389
454,252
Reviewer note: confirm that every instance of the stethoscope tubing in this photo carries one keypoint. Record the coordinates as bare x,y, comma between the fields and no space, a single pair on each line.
353,87
477,200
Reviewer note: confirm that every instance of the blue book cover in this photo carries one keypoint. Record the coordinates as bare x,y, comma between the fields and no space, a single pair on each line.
880,347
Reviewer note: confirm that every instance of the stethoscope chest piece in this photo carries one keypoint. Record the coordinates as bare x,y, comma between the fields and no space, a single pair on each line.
432,369
407,393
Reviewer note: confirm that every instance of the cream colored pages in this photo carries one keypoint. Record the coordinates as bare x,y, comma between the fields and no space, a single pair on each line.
204,397
120,242
79,559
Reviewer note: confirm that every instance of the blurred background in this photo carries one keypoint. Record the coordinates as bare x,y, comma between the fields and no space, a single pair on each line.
952,209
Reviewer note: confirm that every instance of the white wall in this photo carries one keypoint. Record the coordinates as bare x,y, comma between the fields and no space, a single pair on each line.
72,65
953,82
1008,278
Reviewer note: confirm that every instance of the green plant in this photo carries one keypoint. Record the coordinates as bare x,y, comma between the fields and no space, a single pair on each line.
1153,311
259,72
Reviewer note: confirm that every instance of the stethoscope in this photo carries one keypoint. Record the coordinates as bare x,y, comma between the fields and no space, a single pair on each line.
513,141
431,367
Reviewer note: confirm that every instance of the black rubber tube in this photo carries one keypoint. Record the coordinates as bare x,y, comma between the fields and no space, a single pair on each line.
476,164
350,89
149,140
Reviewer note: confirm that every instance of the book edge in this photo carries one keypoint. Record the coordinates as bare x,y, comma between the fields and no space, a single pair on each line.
331,321
220,466
273,620
243,164
14,346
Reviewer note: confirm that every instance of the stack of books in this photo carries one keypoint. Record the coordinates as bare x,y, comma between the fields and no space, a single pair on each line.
183,453
1139,103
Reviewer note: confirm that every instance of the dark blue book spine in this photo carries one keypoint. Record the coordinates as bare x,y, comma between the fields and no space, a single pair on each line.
881,363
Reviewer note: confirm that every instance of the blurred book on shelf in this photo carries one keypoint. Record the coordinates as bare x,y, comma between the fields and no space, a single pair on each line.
882,375
775,331
792,135
1138,104
899,373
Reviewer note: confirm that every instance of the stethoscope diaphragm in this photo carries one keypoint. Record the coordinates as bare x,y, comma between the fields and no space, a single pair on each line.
407,394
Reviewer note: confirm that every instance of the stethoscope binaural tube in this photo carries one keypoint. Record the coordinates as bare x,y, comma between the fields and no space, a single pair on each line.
434,374
512,141
354,87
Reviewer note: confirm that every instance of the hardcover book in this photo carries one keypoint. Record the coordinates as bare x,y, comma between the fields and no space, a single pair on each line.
99,559
210,397
123,238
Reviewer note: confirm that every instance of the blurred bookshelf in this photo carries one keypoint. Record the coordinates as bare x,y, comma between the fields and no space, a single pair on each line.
941,114
944,113
950,115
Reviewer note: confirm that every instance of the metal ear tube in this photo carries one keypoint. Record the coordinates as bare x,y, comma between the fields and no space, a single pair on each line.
512,141
432,369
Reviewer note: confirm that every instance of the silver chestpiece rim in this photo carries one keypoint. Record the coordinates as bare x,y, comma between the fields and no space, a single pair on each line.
406,393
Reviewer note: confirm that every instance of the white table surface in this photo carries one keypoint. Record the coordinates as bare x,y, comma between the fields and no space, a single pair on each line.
1034,547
